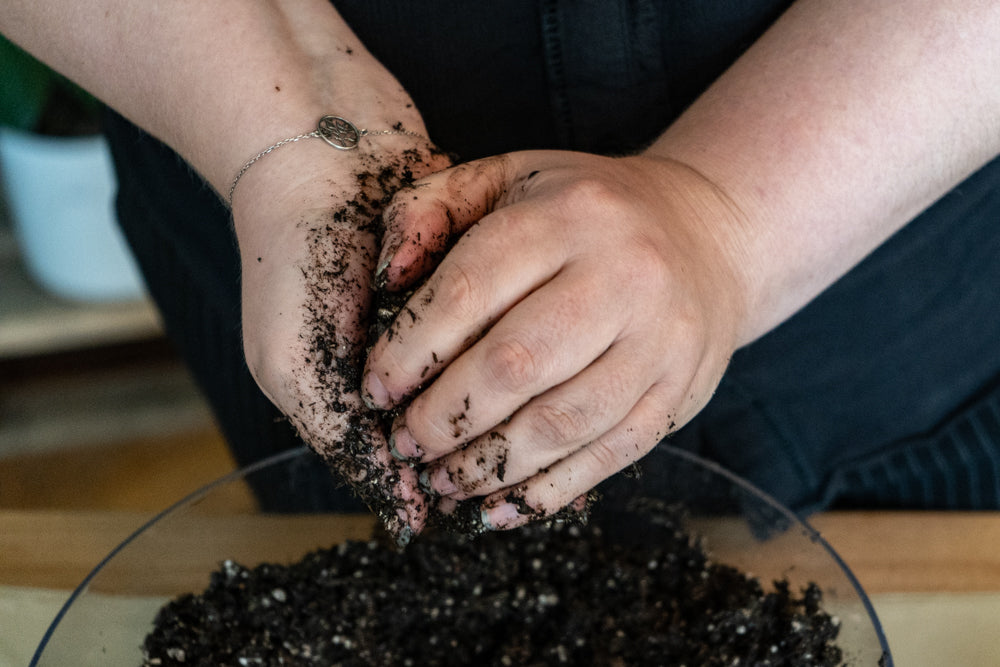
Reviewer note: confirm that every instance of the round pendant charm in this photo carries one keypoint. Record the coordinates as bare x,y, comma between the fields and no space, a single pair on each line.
339,132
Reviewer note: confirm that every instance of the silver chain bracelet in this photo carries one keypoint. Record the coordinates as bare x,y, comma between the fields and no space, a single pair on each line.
339,132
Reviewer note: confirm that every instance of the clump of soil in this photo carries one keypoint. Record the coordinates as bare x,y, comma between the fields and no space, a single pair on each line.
566,594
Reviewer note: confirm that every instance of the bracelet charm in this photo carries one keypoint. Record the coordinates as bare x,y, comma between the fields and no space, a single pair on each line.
339,132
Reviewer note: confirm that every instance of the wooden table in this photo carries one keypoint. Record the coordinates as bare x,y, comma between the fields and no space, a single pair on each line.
934,578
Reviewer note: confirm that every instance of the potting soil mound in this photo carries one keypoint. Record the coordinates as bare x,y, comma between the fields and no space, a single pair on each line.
542,595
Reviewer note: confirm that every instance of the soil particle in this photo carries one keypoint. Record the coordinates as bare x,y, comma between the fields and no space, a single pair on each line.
563,594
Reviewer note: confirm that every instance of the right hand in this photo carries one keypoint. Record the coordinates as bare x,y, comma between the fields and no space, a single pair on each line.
589,307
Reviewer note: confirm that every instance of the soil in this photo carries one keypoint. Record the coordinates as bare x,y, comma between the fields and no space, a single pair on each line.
333,361
564,594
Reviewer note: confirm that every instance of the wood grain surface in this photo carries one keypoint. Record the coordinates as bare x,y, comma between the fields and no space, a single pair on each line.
887,551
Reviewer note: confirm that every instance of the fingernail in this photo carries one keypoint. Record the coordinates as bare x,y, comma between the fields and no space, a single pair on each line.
389,248
380,271
440,481
501,517
424,480
395,453
373,392
405,532
403,446
404,536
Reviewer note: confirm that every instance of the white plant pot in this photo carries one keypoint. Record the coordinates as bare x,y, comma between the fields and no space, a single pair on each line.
60,192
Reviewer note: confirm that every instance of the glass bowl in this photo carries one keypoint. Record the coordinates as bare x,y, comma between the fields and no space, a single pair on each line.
106,618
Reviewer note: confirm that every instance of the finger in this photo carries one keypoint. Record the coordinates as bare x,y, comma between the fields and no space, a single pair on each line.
522,356
408,502
552,489
549,428
423,221
505,258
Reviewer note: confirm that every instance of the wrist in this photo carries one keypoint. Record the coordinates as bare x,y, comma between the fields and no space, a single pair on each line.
721,227
295,121
299,63
335,131
274,196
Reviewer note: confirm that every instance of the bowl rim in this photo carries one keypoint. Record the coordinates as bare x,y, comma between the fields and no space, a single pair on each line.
189,498
795,520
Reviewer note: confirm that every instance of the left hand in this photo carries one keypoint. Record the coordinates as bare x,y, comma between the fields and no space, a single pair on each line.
306,222
589,308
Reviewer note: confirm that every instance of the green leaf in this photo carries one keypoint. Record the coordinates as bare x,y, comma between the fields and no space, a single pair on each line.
25,85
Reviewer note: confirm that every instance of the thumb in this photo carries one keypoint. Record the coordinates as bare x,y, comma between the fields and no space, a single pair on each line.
422,222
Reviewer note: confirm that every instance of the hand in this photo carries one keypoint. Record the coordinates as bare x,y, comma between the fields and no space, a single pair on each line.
589,308
308,252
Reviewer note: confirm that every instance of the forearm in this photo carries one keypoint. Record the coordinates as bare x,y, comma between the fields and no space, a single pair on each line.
217,81
840,125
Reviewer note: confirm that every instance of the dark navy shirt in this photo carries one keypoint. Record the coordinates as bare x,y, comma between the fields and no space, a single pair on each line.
884,391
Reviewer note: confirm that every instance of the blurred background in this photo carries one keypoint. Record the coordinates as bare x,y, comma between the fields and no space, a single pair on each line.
96,410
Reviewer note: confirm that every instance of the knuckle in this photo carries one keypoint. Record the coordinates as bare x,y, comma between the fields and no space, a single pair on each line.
548,498
398,211
469,474
484,466
458,290
646,264
512,364
620,385
606,458
558,424
502,231
589,192
435,438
